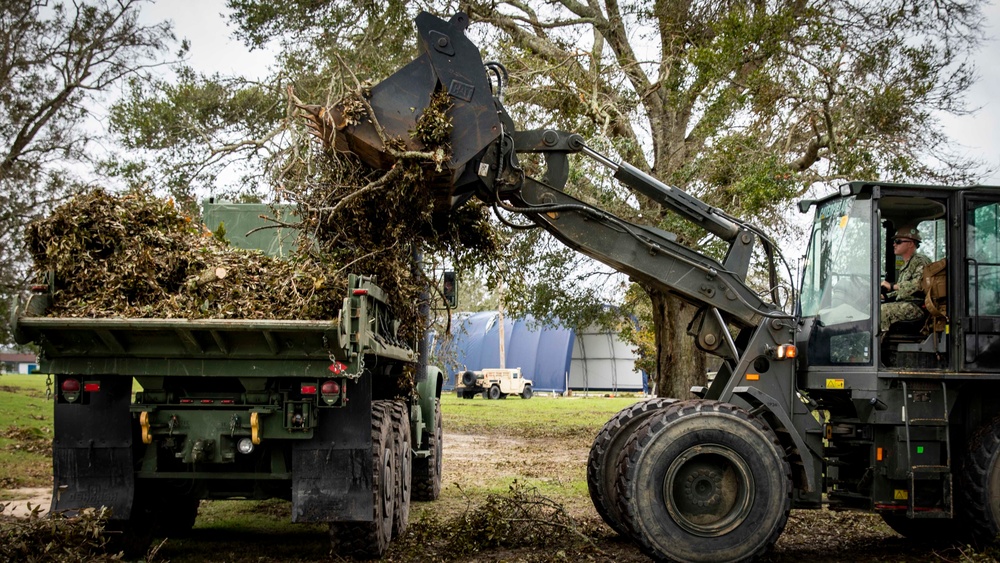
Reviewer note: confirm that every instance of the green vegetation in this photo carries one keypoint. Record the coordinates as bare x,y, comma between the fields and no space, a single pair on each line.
25,433
540,416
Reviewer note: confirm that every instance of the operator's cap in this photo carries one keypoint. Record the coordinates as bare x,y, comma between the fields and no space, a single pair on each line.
910,233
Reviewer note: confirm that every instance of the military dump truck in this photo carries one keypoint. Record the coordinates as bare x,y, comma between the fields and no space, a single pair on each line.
302,410
493,384
814,404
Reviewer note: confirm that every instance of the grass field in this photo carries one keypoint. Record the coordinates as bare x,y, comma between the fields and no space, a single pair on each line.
25,432
540,416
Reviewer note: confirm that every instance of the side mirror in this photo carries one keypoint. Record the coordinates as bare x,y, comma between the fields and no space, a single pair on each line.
450,289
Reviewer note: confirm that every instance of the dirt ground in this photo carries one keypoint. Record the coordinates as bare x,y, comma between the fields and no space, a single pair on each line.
814,535
471,460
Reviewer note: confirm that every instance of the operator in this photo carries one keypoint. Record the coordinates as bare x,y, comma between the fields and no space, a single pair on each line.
904,295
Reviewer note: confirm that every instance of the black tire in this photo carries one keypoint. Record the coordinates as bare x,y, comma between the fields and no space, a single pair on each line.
369,540
468,378
175,516
494,392
603,458
980,483
526,392
704,481
404,461
131,537
469,394
427,470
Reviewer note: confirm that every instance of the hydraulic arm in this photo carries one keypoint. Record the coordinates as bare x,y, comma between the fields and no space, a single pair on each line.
484,163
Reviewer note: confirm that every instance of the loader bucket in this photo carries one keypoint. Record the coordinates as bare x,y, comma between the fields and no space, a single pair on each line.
449,62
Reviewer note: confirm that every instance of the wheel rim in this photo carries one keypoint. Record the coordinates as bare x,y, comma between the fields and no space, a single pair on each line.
708,490
387,487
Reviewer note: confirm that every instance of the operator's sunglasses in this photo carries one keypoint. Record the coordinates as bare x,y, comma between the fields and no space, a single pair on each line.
900,240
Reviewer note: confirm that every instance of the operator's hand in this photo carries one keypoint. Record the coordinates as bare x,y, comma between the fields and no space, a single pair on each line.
886,285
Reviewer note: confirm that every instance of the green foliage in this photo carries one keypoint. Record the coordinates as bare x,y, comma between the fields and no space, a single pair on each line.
540,416
374,37
25,432
184,133
640,333
58,59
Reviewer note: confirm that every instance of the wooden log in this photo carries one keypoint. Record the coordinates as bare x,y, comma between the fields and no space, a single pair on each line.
210,275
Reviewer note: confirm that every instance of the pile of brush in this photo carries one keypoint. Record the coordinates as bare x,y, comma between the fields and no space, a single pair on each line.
136,255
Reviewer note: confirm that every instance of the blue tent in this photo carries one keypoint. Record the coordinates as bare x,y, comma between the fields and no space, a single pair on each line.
554,358
544,354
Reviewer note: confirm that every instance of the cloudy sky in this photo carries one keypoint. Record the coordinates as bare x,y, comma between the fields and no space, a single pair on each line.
213,50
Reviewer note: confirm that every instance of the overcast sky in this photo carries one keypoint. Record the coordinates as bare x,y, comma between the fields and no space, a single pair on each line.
214,50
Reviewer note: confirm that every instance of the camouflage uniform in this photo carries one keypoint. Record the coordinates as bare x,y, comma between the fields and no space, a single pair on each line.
906,305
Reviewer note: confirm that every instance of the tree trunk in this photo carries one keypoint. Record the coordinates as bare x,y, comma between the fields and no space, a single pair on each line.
680,364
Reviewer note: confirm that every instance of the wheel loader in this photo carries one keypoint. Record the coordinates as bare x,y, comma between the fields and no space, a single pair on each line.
813,405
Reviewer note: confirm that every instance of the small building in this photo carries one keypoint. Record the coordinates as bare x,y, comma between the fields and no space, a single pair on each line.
556,359
14,362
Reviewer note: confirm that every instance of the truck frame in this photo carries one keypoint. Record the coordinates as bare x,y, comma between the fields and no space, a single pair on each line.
304,410
812,405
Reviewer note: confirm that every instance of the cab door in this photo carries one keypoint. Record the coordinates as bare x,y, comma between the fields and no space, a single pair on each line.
979,300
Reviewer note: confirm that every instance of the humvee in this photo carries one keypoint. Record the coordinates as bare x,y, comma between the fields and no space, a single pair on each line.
493,384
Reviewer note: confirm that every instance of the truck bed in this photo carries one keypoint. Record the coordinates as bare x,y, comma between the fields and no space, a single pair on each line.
140,346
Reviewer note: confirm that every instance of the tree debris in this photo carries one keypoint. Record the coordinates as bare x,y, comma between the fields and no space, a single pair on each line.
136,255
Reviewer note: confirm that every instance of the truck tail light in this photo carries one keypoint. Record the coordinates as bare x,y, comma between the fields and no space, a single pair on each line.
308,389
91,386
70,389
330,391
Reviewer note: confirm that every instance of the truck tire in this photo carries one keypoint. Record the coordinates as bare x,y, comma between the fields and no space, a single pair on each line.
427,470
526,392
494,392
404,462
980,483
469,378
131,537
369,540
175,516
704,481
467,394
603,458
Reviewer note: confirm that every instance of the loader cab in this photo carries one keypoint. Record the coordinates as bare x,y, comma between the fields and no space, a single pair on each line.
850,255
851,252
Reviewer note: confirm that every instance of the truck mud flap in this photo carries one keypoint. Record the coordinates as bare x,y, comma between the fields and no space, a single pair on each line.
332,473
92,458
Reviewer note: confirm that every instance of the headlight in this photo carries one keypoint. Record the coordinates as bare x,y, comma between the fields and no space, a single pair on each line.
244,446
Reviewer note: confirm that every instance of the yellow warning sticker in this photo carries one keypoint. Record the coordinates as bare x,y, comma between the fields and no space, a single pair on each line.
834,383
901,494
